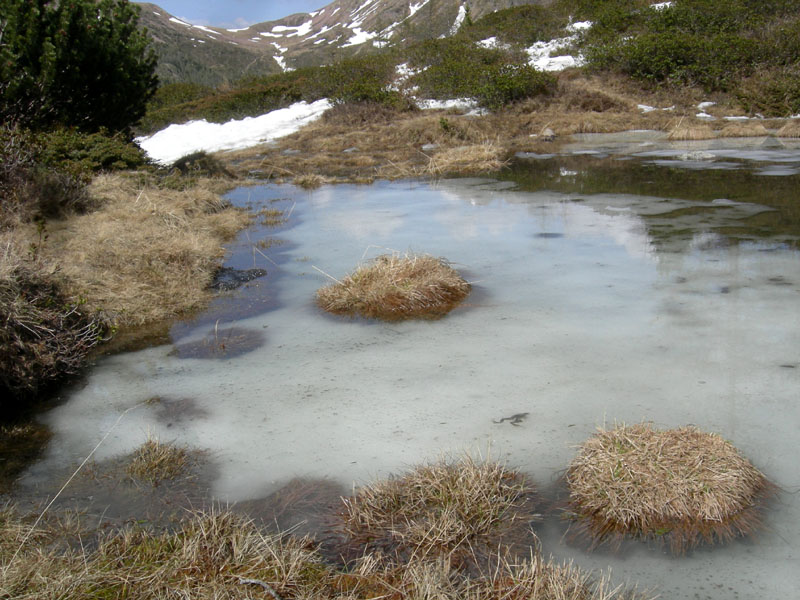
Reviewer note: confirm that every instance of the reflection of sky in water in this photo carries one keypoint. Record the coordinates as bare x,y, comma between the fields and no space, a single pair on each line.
576,319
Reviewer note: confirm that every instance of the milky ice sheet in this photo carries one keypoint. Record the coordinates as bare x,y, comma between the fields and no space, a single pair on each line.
577,317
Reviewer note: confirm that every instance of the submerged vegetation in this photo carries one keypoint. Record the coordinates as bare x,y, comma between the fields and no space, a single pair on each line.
394,287
682,486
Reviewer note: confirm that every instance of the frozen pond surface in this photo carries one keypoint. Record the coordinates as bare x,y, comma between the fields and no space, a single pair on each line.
590,306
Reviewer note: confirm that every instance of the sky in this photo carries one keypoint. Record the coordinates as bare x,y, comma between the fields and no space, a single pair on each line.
236,13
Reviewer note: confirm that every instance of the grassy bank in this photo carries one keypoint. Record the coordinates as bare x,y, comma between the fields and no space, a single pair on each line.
440,531
90,247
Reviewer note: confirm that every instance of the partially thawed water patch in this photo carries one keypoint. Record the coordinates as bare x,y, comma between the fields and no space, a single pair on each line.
602,292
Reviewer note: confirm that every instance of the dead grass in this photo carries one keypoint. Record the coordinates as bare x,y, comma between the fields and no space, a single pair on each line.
690,131
462,160
45,334
146,253
682,486
155,461
450,507
790,130
211,555
395,286
743,129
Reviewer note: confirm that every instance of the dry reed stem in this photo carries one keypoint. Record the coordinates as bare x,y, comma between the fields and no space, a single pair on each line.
682,485
439,508
395,286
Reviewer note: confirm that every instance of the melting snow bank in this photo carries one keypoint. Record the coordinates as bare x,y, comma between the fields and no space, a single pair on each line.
175,141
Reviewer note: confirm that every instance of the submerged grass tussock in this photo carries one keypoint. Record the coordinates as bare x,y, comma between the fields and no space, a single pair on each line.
439,509
155,461
394,287
682,486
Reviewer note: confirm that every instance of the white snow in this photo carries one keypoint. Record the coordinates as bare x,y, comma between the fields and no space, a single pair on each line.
156,14
459,103
645,108
488,43
413,8
705,105
739,118
279,48
281,62
540,53
661,5
168,145
179,22
462,14
237,30
359,37
296,30
206,29
269,34
579,26
324,29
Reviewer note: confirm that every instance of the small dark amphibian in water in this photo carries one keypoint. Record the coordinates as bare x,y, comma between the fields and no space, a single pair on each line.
515,419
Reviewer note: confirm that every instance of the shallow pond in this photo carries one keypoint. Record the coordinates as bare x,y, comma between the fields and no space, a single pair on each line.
614,282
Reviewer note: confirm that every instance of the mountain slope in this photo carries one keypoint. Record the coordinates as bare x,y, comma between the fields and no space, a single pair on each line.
211,55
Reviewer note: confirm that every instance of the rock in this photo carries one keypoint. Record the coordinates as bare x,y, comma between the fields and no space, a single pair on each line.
548,135
228,278
429,147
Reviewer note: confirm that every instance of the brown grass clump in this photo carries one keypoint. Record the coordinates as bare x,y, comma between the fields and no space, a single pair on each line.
743,129
155,461
790,130
690,132
394,287
146,253
446,508
44,334
682,486
461,160
211,555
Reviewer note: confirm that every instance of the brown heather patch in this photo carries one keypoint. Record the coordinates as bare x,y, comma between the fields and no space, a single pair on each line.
682,486
146,253
394,287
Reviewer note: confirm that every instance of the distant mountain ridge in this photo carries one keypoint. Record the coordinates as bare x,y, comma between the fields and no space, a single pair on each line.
213,55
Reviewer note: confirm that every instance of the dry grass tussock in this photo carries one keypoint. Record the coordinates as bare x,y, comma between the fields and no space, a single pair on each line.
396,286
482,158
450,507
743,129
790,130
682,486
690,131
212,555
155,461
221,555
44,335
146,253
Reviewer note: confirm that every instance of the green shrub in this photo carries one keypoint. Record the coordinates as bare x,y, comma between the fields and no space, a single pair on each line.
520,25
81,154
511,83
82,63
30,190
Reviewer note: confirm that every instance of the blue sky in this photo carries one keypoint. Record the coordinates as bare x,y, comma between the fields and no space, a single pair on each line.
236,13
